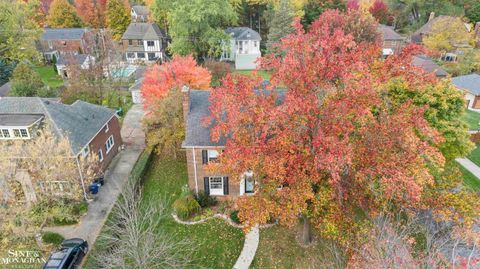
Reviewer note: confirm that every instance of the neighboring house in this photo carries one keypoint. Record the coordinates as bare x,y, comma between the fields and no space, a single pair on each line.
90,129
470,84
425,30
429,66
144,42
135,90
393,43
5,89
243,49
57,41
139,13
82,60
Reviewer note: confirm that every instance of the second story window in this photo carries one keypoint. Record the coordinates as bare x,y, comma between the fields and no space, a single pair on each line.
150,43
130,42
14,133
109,144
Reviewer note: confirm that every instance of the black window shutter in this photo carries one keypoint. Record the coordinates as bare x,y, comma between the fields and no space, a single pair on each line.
225,185
204,156
206,185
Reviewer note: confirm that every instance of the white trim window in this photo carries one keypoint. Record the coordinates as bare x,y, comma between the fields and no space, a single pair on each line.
150,43
100,155
212,155
215,185
14,133
85,151
109,144
106,128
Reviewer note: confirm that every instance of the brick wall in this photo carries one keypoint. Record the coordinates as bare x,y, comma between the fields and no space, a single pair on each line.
233,186
98,143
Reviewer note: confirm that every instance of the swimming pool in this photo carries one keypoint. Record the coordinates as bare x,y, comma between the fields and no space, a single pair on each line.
123,72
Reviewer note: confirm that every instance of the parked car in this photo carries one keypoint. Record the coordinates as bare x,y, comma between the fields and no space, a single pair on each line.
69,255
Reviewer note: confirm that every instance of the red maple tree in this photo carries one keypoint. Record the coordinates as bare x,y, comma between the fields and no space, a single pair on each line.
380,11
330,144
160,79
87,12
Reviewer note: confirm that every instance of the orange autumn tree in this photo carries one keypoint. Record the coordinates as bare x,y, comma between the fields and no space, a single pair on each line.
161,92
330,147
87,12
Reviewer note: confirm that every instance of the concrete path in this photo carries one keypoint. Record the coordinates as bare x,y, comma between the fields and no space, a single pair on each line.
470,166
115,177
249,249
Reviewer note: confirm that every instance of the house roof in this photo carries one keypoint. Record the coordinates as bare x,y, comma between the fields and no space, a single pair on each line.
137,85
141,10
19,120
143,31
63,33
196,133
79,59
243,33
427,27
388,33
470,83
79,122
5,89
428,65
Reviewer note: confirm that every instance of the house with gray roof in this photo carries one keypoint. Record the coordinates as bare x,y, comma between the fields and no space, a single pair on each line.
56,41
139,13
144,42
82,61
470,84
392,42
243,48
90,129
428,65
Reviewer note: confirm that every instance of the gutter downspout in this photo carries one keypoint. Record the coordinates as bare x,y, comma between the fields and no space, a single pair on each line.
195,170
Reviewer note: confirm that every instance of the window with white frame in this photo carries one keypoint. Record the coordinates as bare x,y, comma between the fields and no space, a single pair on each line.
109,144
130,55
85,151
14,133
6,133
249,183
106,127
216,185
100,155
150,43
24,133
212,155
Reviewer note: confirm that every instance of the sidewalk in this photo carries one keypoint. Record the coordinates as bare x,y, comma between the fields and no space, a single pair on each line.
115,177
249,249
470,166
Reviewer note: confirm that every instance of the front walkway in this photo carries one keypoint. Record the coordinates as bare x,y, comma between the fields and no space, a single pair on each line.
115,177
470,166
249,249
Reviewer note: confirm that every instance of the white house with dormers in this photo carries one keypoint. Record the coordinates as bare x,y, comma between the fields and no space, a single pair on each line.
143,43
243,48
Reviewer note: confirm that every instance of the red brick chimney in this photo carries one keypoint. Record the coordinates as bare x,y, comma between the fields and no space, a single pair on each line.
186,102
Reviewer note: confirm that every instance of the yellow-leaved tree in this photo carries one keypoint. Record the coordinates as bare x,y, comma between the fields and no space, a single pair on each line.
448,33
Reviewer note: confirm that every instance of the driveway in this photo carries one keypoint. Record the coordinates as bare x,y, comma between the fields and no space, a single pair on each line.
115,177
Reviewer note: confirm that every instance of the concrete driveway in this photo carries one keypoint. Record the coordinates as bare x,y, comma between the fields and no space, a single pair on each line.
115,177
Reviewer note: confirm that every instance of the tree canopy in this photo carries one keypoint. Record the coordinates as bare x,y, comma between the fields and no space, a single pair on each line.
332,145
280,25
25,81
117,17
198,26
62,15
446,34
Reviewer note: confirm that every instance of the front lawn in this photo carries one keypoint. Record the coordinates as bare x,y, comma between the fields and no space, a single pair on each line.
475,155
49,76
217,244
470,180
264,74
473,119
278,248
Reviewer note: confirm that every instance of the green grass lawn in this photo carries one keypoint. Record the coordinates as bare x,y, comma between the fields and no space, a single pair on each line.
217,244
264,74
475,155
473,119
278,248
470,180
49,76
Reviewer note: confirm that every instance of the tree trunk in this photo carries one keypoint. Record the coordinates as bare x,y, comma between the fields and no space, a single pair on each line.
307,231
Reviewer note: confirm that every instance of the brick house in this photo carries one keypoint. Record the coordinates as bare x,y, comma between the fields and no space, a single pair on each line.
201,150
470,85
392,42
57,41
89,128
144,42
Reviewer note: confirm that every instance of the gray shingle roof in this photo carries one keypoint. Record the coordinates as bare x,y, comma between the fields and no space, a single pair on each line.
141,10
63,33
470,83
388,33
79,59
137,85
19,120
428,65
243,33
80,122
196,134
143,31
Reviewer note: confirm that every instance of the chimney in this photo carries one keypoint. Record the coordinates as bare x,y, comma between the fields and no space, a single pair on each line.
432,15
186,102
477,34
